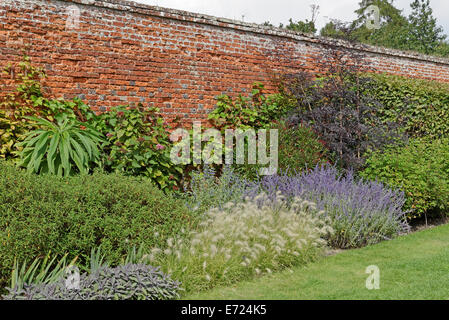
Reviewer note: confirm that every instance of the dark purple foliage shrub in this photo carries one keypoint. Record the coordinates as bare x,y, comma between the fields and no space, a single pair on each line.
337,106
363,212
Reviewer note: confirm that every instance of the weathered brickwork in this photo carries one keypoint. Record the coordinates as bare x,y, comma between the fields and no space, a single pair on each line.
123,52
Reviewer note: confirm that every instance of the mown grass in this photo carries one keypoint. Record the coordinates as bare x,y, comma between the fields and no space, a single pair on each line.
415,266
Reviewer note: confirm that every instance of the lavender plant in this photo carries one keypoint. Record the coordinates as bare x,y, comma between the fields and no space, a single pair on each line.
362,212
206,190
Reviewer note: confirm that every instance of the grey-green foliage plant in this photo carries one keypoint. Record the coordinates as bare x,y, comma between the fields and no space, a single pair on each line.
97,260
135,255
40,271
126,282
207,191
57,148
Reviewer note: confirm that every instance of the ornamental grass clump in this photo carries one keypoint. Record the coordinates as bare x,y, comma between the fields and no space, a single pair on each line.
244,239
362,212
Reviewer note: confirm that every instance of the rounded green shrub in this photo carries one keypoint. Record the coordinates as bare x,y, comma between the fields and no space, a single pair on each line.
39,214
420,169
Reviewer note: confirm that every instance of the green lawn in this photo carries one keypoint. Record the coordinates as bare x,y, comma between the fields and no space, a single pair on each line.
415,266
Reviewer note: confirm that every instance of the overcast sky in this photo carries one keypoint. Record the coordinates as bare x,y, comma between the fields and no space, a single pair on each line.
277,11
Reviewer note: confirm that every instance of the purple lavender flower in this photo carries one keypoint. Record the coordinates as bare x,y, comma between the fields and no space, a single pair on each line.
363,212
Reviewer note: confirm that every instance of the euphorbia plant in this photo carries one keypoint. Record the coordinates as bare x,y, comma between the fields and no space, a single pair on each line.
58,147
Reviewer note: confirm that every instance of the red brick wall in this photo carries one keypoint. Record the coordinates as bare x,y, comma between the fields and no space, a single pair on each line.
124,52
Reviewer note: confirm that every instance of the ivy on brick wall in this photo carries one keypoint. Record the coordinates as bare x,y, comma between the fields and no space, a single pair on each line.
420,106
15,105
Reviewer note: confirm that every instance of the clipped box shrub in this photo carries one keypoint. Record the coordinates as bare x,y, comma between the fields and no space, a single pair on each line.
39,214
420,169
127,282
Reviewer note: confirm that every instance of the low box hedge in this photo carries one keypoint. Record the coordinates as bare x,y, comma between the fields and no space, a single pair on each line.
72,215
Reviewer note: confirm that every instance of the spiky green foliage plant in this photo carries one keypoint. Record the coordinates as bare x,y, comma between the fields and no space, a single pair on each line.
57,148
40,271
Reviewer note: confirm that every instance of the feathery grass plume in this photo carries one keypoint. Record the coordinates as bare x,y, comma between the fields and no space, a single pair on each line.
240,240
